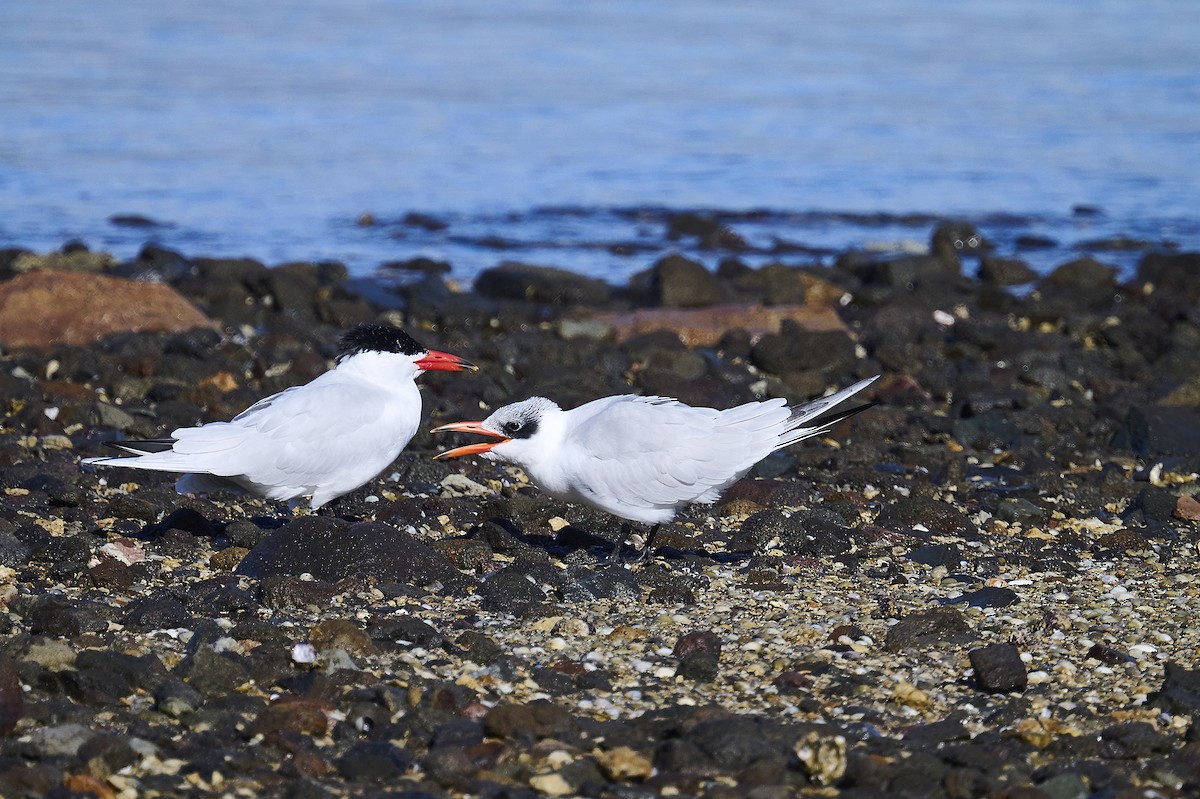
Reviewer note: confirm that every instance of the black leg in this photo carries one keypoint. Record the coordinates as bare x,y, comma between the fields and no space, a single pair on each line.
614,555
644,552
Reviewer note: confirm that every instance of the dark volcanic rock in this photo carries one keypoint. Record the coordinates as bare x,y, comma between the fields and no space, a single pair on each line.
999,668
1180,692
680,282
374,761
541,284
990,597
939,518
1158,430
1005,271
929,628
332,550
797,350
698,653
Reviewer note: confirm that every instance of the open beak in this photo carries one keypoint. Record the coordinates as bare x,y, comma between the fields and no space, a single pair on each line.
435,360
470,449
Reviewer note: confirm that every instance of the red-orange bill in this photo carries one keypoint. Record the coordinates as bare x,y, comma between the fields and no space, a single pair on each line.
470,449
435,360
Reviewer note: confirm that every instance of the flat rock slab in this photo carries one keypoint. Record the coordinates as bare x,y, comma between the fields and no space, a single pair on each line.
44,308
704,327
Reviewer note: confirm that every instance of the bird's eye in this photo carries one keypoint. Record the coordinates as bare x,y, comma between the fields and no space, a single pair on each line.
512,427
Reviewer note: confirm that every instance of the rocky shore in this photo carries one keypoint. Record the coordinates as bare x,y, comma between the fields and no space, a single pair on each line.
987,586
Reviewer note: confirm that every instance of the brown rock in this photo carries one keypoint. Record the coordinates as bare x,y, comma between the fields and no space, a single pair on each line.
341,634
43,308
704,327
1187,509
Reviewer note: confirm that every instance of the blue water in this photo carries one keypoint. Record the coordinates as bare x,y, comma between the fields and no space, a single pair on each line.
267,128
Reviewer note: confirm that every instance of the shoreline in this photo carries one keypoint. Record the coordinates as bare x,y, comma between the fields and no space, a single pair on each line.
985,586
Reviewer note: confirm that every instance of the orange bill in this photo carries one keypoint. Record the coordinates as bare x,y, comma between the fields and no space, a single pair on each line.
435,360
470,449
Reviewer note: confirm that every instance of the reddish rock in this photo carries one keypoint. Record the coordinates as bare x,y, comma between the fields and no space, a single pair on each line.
1188,509
43,308
704,327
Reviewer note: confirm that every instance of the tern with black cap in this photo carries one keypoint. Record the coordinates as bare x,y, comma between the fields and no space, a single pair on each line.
319,440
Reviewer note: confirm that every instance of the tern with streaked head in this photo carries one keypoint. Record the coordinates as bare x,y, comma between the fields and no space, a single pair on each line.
643,458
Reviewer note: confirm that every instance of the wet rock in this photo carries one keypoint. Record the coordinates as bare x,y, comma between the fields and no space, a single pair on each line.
1171,273
953,239
56,616
541,284
680,282
999,668
906,272
929,628
40,309
1005,271
244,533
331,550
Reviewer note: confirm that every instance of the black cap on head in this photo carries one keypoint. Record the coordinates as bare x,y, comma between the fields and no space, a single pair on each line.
377,338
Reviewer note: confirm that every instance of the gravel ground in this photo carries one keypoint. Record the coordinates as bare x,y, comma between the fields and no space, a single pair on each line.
985,586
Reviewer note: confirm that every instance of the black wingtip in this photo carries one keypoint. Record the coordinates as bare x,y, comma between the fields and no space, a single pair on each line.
833,417
143,446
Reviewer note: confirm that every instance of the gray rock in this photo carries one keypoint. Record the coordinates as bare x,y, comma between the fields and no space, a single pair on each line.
928,629
59,740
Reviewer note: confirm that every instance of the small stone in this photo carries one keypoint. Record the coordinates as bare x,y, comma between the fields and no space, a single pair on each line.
551,784
624,763
341,634
823,756
999,668
176,699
